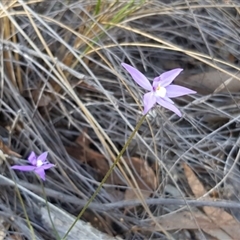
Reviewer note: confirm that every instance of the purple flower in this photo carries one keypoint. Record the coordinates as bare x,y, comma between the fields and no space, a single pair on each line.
160,91
39,164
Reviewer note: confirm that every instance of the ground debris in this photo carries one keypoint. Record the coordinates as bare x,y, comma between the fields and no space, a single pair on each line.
62,221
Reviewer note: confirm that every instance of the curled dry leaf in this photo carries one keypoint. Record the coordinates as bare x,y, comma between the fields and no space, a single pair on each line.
144,176
218,216
6,150
86,155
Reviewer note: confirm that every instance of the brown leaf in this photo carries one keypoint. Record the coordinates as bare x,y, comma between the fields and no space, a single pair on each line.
41,100
144,171
208,82
220,217
94,159
6,150
193,220
88,156
194,183
143,174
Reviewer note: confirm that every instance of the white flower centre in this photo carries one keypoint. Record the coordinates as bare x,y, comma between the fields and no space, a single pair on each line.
39,163
160,91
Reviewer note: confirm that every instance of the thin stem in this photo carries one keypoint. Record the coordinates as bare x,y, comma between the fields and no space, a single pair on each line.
49,213
107,174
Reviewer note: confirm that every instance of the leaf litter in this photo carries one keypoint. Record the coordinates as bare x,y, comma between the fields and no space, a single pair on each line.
222,222
142,172
70,70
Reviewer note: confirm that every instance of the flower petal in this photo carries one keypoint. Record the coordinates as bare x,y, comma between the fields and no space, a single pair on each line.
166,78
149,100
167,99
138,77
43,157
47,166
32,158
169,106
177,91
23,168
40,172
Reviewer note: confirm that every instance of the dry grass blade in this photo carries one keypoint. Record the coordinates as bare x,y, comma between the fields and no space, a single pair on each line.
60,74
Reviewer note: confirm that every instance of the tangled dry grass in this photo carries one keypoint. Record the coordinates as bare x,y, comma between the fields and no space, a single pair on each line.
62,90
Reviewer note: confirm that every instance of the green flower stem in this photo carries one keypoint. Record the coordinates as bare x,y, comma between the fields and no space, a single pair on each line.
107,174
49,213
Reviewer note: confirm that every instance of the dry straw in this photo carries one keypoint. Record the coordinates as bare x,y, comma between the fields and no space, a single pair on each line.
61,74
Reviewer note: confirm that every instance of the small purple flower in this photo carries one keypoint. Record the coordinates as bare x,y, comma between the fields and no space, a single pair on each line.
160,91
39,164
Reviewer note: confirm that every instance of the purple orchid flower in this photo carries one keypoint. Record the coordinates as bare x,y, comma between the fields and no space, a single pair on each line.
160,91
39,164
